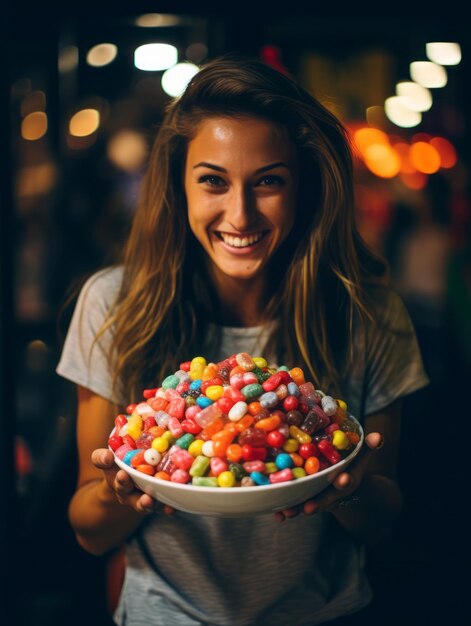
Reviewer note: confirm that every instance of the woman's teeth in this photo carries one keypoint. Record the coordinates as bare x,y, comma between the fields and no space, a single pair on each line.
240,242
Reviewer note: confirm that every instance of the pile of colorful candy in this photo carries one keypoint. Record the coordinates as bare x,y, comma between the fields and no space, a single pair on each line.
234,423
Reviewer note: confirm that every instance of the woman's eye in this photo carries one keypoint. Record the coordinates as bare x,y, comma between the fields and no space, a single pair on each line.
212,180
271,180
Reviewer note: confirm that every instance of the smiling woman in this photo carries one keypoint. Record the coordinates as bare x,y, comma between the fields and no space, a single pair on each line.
244,234
241,189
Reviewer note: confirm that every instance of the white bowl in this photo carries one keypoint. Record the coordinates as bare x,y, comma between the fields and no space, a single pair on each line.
239,501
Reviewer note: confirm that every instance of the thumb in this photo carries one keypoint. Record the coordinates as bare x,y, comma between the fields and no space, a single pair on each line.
102,458
353,474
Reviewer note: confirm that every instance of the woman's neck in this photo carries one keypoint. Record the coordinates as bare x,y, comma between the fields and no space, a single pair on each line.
241,303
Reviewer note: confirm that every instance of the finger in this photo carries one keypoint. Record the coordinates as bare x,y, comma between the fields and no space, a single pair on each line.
123,483
102,458
348,480
145,504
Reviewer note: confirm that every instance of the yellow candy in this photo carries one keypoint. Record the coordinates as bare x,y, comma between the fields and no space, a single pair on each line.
270,467
226,479
260,361
210,371
340,440
135,430
299,435
168,436
291,445
196,447
299,472
342,404
161,444
198,359
214,392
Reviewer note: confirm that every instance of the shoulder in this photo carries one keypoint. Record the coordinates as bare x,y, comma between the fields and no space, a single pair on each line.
387,308
103,286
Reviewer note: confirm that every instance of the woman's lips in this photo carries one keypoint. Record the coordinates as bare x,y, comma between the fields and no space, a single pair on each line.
241,244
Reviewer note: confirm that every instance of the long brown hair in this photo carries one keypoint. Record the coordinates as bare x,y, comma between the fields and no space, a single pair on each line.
318,273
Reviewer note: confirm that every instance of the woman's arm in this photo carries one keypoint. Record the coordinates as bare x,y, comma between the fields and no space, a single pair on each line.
366,499
96,511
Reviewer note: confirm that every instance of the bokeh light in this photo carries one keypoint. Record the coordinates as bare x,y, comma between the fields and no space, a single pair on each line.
424,157
443,52
102,54
382,160
175,79
415,96
428,74
127,150
153,57
446,150
398,113
68,59
156,20
34,126
84,122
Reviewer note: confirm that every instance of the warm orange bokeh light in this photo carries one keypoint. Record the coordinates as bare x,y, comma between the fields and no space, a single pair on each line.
382,160
446,150
363,138
424,157
34,126
84,122
403,149
415,181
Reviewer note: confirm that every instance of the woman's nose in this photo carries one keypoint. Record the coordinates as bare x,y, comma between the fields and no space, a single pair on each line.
241,209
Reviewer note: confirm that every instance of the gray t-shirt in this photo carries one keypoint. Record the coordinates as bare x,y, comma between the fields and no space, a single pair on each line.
193,570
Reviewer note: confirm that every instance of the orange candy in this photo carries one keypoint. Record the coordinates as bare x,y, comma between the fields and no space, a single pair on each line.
297,375
162,475
297,459
312,465
254,408
244,423
234,453
268,423
211,429
145,468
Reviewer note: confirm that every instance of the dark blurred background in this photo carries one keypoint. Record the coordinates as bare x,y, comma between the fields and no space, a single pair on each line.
77,121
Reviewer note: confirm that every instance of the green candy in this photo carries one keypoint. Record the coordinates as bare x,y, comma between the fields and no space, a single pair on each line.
205,481
199,466
185,440
170,382
254,390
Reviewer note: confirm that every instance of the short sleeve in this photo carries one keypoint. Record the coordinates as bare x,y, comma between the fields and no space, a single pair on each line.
394,366
83,360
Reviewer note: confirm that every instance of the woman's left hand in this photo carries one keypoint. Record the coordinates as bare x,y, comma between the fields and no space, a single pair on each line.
342,490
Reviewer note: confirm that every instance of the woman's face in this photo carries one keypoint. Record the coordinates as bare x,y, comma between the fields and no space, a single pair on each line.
241,177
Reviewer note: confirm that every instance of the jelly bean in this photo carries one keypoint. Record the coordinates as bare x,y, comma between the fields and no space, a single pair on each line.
298,472
195,385
214,392
218,465
329,406
253,437
208,449
315,420
245,360
312,465
226,479
149,393
260,362
208,415
196,447
191,427
246,481
120,421
211,429
308,449
283,460
237,411
237,470
234,452
152,457
158,404
129,455
170,382
294,418
275,439
259,478
123,450
203,401
297,459
205,481
162,417
114,442
290,403
293,389
254,466
297,375
130,408
182,387
145,469
144,440
282,392
175,427
210,371
272,383
269,399
269,423
182,459
270,467
299,434
340,440
251,453
149,422
252,391
262,414
282,476
200,465
162,475
156,431
180,476
328,451
160,444
130,441
291,445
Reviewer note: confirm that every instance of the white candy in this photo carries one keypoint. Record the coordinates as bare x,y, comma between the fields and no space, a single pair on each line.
329,405
208,449
237,411
152,457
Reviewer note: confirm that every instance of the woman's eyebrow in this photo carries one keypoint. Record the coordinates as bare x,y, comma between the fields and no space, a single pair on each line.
218,168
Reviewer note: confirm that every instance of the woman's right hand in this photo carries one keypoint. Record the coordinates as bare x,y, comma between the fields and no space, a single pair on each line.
122,486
